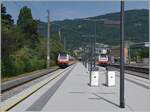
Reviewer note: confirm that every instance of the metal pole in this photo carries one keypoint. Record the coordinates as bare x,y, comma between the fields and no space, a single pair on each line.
48,40
95,44
59,33
129,54
64,44
91,58
122,102
85,56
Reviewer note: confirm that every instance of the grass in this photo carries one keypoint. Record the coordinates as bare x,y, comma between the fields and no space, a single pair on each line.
4,79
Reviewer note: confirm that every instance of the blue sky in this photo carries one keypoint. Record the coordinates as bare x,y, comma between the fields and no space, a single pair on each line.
69,9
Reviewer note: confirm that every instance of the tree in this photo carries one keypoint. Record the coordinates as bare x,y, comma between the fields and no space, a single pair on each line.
28,26
56,48
144,53
23,49
6,18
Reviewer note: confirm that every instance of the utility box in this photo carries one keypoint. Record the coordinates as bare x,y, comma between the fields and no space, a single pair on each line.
110,78
94,78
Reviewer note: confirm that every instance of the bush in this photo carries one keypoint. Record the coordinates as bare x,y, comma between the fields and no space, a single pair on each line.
23,49
36,63
18,67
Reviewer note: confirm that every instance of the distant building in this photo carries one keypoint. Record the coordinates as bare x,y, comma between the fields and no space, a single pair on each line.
115,52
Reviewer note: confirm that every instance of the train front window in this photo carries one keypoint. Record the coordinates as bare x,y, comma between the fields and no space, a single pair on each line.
63,56
103,55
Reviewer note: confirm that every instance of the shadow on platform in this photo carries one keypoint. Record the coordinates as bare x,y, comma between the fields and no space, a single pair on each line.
102,98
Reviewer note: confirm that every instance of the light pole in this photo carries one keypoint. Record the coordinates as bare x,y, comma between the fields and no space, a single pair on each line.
91,51
94,44
64,44
59,34
122,102
48,40
129,54
91,59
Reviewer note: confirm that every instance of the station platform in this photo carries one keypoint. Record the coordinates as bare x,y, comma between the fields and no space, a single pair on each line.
75,95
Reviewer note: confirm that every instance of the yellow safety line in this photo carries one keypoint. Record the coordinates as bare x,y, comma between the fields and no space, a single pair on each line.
8,104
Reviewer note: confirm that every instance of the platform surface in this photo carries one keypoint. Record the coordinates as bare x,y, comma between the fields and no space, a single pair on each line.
75,95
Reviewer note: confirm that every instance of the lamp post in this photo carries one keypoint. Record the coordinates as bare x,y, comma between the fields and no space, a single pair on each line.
94,44
59,34
91,51
48,40
95,31
122,103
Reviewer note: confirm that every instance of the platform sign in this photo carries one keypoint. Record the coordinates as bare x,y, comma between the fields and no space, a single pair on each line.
110,78
94,78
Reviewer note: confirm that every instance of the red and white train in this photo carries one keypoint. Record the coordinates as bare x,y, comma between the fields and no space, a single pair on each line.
64,60
103,60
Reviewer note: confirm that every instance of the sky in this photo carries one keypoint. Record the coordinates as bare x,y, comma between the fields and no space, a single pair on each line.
60,10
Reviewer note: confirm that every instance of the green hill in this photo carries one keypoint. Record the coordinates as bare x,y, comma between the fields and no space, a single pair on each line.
136,28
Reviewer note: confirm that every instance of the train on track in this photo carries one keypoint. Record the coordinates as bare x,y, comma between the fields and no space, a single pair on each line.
103,60
65,60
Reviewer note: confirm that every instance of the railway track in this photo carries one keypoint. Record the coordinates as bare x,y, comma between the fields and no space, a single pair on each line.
137,71
6,86
11,102
18,83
